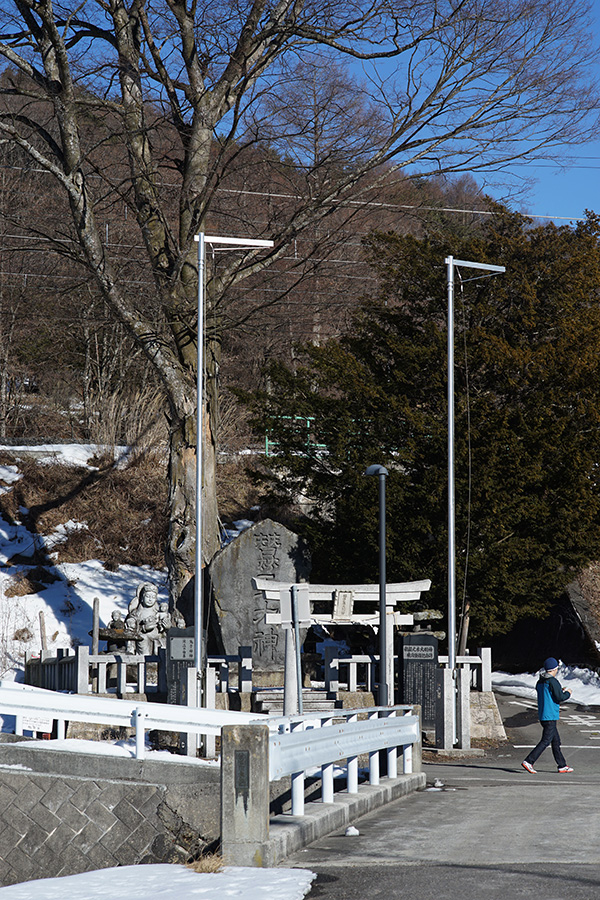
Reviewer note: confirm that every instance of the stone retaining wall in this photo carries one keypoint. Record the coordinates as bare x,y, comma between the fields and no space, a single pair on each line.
63,813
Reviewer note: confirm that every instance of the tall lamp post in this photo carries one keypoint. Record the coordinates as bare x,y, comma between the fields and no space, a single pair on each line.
233,244
386,661
451,263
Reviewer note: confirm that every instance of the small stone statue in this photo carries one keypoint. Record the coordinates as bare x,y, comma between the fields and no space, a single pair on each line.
115,632
145,621
165,620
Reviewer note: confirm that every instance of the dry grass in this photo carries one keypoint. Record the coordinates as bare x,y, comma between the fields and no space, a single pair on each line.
124,510
211,863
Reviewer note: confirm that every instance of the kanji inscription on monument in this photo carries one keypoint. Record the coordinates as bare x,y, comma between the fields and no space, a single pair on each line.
266,550
417,674
180,656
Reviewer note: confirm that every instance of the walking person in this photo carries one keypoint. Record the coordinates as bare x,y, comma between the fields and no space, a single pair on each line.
550,695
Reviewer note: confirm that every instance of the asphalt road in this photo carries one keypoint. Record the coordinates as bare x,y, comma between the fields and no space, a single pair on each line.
490,830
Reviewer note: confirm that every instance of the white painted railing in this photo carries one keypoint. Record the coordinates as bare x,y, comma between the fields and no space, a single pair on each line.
22,700
83,672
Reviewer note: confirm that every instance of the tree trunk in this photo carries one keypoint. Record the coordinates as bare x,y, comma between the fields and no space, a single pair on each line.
181,543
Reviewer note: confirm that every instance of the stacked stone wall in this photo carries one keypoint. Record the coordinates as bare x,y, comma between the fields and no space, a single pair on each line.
55,823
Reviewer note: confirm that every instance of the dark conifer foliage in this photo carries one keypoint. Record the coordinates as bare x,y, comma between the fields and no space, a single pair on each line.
527,380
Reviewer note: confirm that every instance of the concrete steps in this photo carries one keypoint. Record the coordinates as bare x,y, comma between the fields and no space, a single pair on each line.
270,701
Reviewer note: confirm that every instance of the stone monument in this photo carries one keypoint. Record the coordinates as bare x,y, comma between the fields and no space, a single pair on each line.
417,673
238,610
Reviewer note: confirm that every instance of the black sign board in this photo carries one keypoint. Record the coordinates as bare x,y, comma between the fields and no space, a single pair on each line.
180,656
417,667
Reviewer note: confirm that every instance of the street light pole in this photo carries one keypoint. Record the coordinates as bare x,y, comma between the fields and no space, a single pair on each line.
451,263
386,665
233,244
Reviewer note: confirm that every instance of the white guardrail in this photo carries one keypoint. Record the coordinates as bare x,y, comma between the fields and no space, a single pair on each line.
317,742
297,744
21,700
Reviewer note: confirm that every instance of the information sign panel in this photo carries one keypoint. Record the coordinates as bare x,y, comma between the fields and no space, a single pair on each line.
417,674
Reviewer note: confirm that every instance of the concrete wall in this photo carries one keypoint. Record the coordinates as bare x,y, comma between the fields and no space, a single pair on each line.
63,813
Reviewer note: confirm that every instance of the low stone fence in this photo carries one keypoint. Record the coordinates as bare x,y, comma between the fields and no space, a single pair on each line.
81,672
361,671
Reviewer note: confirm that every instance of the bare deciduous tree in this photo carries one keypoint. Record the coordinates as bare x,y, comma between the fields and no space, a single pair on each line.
164,106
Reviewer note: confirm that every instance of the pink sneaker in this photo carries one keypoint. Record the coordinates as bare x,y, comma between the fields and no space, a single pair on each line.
565,769
530,768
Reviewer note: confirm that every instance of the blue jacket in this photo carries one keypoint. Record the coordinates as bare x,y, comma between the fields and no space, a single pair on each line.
550,694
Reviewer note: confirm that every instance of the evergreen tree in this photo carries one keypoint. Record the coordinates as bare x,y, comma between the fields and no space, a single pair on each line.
527,414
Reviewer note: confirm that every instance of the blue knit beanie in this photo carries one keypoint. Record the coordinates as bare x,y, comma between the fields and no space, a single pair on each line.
550,664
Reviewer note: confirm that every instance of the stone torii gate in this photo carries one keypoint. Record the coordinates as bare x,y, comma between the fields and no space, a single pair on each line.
342,599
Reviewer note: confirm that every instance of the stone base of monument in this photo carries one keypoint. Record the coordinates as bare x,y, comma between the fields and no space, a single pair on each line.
486,722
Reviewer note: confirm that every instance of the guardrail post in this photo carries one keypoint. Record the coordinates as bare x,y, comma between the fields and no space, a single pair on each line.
140,733
374,759
327,773
391,752
352,766
244,794
416,750
297,783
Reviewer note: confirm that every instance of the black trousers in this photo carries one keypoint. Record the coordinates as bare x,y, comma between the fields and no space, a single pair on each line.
550,737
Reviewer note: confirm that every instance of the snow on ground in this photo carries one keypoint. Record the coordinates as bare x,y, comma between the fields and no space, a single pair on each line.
583,683
67,603
167,882
68,454
118,748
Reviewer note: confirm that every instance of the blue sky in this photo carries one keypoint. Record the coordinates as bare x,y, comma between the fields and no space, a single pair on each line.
565,191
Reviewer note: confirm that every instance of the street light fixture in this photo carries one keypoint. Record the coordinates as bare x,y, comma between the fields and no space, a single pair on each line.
450,265
386,660
232,243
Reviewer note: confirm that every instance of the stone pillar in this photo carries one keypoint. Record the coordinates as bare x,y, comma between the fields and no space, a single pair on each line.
445,698
244,794
484,681
463,707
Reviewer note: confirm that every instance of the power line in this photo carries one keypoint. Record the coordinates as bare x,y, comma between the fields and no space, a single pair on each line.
372,203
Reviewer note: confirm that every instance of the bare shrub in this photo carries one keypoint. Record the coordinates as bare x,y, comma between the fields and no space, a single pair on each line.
24,635
132,418
26,582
